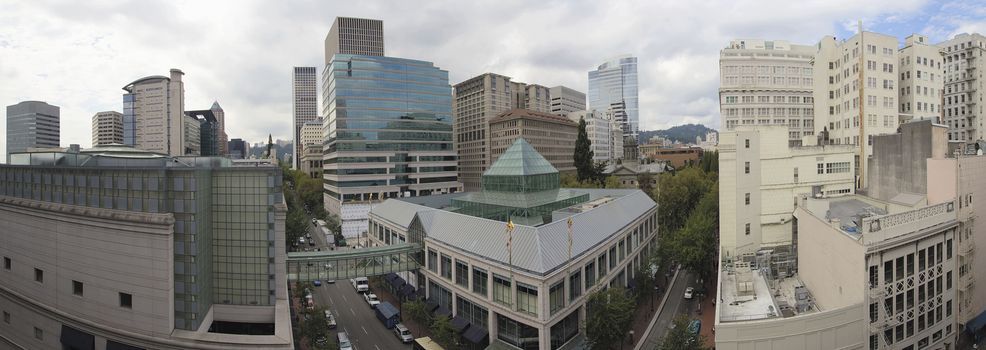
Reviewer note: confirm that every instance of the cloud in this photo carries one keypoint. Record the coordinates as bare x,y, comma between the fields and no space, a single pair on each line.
241,53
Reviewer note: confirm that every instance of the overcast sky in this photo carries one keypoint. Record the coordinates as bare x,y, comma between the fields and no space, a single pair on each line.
78,55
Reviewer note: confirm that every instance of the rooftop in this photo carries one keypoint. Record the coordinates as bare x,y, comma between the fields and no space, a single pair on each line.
527,113
870,220
756,299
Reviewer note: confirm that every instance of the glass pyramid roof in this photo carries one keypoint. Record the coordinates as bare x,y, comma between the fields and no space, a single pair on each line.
519,160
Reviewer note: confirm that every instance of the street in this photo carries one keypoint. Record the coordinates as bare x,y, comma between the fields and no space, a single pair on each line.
675,305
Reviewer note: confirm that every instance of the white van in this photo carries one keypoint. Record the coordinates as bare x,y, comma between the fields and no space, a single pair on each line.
361,284
344,343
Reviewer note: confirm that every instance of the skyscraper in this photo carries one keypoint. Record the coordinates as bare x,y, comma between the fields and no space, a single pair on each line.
209,131
32,124
238,149
354,36
221,137
304,107
963,65
613,86
153,114
107,128
565,100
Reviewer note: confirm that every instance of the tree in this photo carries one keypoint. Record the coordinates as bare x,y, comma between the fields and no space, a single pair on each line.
679,338
599,172
583,154
443,333
609,316
612,182
645,182
679,194
315,327
295,225
695,244
644,278
416,311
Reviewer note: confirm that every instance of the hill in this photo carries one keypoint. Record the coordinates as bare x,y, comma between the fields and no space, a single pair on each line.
681,133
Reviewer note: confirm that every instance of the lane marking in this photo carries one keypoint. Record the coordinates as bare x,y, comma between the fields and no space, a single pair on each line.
344,298
354,313
375,345
364,331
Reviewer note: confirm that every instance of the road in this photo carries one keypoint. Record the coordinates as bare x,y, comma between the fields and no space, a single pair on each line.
675,305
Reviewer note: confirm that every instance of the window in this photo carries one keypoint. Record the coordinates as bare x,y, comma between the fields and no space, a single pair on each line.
479,280
501,289
446,267
747,229
747,171
948,248
126,300
556,297
574,286
747,143
39,334
873,312
837,168
6,317
432,261
462,274
747,198
6,263
821,168
39,276
910,264
602,265
77,288
590,274
527,299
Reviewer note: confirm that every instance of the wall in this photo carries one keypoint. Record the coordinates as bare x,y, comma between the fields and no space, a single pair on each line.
841,328
830,263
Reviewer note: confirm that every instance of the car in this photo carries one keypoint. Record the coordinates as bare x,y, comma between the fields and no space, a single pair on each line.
330,319
371,299
344,343
308,236
403,333
361,284
301,240
694,327
317,283
689,293
321,340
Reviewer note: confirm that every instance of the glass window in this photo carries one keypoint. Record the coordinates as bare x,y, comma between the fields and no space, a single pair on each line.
527,299
501,289
432,261
564,330
556,296
446,266
479,281
516,333
574,286
462,274
590,274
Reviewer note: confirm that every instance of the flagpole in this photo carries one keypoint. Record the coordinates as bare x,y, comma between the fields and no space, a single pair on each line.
510,258
568,269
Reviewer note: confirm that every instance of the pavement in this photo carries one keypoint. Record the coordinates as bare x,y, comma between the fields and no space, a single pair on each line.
674,305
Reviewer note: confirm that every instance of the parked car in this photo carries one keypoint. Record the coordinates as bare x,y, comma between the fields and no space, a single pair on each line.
694,327
689,293
344,343
317,283
371,299
403,333
361,284
330,319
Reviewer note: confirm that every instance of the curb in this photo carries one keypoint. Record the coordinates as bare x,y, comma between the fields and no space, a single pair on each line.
643,337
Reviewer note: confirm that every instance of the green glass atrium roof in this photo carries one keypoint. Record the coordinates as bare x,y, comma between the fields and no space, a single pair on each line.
520,159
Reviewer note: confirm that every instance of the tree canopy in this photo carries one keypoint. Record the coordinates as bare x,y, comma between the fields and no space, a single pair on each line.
609,317
583,154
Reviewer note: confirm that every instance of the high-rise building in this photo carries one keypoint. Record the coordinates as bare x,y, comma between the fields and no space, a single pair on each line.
311,143
920,81
238,149
304,107
388,133
765,82
222,138
311,133
552,135
153,114
599,128
153,252
209,131
613,86
32,124
963,91
107,128
479,99
354,36
565,100
193,135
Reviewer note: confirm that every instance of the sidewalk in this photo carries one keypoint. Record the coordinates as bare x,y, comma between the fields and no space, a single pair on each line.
708,315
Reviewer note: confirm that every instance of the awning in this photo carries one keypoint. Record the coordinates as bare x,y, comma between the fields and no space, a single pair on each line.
443,312
459,324
390,276
399,281
976,323
406,290
475,335
412,296
77,339
430,305
112,345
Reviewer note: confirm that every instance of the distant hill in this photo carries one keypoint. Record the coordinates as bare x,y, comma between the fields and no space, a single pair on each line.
279,150
681,133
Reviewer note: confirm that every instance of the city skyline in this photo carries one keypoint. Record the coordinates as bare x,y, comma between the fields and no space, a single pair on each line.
253,88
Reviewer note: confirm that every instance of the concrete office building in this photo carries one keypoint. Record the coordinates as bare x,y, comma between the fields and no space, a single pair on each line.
222,139
153,114
605,136
191,128
676,155
238,149
963,66
311,140
565,100
120,248
210,135
477,100
354,36
530,294
613,87
107,128
921,81
311,133
856,91
32,124
304,108
765,82
760,176
382,139
551,135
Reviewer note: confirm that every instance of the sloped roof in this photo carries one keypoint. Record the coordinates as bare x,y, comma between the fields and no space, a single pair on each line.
521,159
518,113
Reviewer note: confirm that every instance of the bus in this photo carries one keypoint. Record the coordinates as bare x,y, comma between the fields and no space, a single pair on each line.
425,343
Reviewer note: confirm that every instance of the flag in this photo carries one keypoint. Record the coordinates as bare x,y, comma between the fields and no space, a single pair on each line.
510,230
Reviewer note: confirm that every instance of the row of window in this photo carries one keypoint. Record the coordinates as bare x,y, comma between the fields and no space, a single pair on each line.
78,288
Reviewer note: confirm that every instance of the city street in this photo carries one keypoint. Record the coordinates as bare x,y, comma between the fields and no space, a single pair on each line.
675,305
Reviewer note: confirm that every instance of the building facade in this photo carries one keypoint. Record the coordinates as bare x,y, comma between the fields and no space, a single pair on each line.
675,156
565,100
107,128
32,124
210,135
153,114
304,108
602,131
354,36
551,135
238,149
140,250
962,66
613,87
765,82
223,138
311,140
311,133
191,128
382,139
921,80
476,101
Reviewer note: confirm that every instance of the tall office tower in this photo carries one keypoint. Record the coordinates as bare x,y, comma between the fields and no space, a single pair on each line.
154,252
599,128
32,124
388,133
107,128
354,36
855,92
222,138
209,131
191,127
311,143
477,100
920,80
554,136
613,86
304,106
238,149
963,67
566,100
153,114
767,83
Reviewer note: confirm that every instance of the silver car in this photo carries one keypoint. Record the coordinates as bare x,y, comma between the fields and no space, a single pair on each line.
403,333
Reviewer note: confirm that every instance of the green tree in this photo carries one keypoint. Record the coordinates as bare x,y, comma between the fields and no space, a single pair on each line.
599,172
695,244
679,338
612,182
417,312
583,154
678,194
609,317
443,333
644,277
315,327
295,225
645,182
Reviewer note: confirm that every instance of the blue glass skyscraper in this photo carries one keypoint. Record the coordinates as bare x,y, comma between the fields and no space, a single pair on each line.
613,88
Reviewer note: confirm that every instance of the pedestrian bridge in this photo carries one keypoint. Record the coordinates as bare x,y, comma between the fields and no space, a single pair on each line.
351,263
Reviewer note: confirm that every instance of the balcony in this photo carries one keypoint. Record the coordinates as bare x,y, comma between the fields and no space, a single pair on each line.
966,282
966,249
876,292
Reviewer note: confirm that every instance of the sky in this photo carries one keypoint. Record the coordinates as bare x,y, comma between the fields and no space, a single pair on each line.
79,55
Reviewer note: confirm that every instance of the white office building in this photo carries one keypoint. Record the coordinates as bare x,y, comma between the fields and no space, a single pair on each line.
921,80
600,127
963,66
565,100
